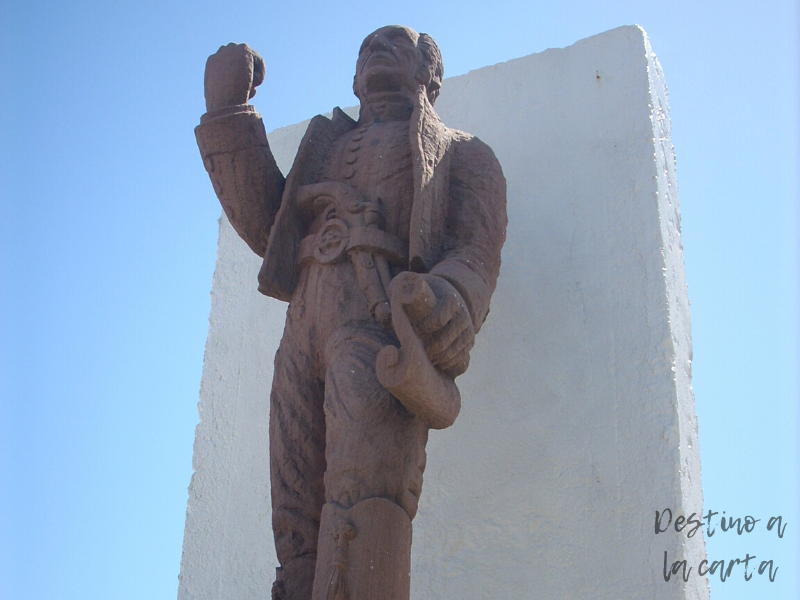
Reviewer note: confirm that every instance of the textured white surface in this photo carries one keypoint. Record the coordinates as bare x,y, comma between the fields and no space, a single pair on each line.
578,417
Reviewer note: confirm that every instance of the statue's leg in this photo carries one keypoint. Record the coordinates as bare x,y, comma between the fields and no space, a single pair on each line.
297,466
364,552
375,453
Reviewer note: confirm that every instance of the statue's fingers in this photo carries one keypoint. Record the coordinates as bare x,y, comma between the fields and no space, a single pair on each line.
456,365
444,311
225,51
259,70
461,344
439,341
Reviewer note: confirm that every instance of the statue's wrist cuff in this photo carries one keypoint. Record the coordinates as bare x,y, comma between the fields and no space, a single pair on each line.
227,110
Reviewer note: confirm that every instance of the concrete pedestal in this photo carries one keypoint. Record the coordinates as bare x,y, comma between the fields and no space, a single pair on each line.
578,418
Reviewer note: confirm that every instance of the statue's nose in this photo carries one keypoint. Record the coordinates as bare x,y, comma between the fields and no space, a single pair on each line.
379,42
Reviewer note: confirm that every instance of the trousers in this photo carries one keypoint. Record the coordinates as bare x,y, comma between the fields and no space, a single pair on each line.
336,434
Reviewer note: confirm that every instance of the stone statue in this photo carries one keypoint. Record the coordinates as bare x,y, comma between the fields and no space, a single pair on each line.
385,239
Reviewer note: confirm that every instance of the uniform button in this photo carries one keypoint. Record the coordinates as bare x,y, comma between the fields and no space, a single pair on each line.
354,146
351,159
349,172
358,138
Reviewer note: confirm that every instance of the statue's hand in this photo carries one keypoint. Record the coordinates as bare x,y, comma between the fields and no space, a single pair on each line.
447,332
232,74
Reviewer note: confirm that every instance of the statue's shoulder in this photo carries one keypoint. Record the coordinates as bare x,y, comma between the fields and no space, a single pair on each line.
469,150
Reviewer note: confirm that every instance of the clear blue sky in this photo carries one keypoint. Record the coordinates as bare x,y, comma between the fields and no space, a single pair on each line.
108,239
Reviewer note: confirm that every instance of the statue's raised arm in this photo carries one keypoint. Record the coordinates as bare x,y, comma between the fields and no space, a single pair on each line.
234,147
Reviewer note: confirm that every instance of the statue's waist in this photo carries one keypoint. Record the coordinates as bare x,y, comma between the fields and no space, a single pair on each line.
335,241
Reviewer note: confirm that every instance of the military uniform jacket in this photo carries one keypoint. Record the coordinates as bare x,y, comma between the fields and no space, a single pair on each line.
458,215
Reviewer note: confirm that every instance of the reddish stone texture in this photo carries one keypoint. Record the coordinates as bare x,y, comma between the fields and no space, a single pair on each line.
385,239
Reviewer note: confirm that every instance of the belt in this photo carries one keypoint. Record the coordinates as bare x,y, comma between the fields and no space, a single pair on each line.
335,240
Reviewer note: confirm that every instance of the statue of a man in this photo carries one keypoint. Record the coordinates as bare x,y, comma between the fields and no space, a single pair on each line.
387,232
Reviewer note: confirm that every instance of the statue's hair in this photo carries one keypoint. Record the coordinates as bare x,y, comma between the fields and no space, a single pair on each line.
433,64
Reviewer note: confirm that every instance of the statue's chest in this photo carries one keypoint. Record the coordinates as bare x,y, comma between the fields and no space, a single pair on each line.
376,160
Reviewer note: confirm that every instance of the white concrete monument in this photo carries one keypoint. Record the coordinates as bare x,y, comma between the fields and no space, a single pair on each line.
578,418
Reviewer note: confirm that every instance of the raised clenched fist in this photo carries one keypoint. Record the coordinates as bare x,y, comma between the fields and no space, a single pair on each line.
232,74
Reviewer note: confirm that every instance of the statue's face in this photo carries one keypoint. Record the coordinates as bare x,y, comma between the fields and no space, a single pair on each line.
388,61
